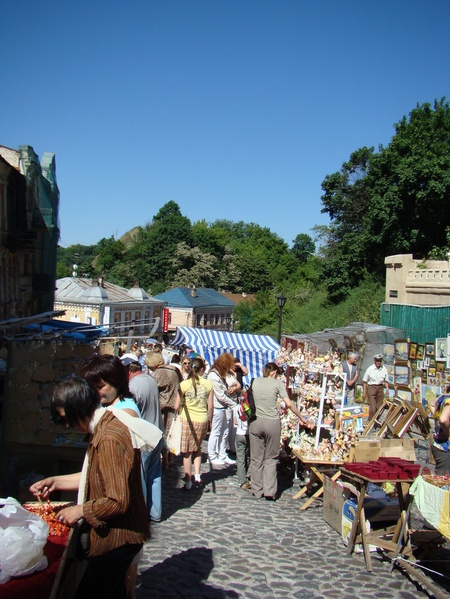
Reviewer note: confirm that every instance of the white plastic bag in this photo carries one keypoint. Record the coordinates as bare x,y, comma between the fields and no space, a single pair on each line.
23,536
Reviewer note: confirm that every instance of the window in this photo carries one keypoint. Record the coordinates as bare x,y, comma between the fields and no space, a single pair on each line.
393,293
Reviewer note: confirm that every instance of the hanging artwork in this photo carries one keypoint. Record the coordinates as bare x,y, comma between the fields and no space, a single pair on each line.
401,375
412,351
429,349
420,351
441,348
401,350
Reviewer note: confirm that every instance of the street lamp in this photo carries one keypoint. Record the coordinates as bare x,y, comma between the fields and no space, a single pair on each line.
281,299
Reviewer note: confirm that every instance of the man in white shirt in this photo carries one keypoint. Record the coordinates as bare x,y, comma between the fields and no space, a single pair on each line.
375,379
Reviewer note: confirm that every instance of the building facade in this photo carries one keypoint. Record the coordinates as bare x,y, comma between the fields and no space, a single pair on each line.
201,308
29,232
100,303
417,282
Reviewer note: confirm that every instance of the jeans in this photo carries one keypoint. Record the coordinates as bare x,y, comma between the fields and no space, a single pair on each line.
151,464
217,444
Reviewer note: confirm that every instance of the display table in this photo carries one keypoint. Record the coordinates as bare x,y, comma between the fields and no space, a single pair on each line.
317,468
399,543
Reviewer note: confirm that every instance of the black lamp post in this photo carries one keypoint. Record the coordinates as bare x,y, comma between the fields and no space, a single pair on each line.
281,299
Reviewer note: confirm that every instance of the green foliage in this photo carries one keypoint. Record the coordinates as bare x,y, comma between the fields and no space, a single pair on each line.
303,247
396,200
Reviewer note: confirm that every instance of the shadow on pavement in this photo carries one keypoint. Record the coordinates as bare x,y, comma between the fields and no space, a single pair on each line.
182,575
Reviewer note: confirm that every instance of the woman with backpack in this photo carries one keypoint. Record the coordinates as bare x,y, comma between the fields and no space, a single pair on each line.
265,431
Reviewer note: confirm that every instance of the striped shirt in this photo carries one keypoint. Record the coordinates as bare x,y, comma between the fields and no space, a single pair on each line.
115,506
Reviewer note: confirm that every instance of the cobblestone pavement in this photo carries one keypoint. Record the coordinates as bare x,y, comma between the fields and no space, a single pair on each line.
217,542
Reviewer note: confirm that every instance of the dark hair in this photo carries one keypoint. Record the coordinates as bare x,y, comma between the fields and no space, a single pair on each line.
196,367
175,359
79,400
134,367
107,369
270,367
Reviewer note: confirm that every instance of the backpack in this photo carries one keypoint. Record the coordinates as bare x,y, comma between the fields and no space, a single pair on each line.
248,403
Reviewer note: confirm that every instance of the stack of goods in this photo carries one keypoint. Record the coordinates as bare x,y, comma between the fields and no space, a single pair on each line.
335,449
442,481
386,469
49,513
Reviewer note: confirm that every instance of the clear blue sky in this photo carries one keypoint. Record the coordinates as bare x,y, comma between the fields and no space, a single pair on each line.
234,109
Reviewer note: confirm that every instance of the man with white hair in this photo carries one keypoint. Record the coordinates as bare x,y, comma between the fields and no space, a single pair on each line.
349,368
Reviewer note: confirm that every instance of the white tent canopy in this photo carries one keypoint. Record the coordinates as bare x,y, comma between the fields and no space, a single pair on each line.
253,351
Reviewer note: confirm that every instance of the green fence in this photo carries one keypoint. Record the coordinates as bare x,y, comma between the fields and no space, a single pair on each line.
420,323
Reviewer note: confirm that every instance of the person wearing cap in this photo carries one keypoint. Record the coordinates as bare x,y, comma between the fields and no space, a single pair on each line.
375,380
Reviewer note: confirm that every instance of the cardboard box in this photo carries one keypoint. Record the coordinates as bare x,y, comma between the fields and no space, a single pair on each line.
335,493
398,448
386,510
366,450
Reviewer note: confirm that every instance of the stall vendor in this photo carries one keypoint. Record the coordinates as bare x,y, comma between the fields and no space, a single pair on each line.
440,447
375,379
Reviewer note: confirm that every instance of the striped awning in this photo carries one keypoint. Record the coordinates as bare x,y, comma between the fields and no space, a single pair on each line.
253,351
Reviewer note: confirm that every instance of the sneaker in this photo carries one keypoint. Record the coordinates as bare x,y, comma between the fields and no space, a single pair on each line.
229,461
197,478
246,485
217,462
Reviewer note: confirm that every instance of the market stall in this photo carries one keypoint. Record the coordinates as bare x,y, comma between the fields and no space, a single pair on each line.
253,351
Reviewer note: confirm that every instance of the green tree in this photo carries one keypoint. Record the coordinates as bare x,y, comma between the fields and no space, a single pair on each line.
303,247
396,200
156,244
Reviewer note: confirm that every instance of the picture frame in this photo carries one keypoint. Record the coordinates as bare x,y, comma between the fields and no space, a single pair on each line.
441,349
388,352
420,351
440,366
404,393
390,370
413,351
401,351
429,349
401,375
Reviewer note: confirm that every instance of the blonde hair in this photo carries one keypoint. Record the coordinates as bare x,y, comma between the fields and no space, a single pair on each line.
154,359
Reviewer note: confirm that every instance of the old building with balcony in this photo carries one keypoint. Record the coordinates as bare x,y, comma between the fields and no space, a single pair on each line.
417,282
29,232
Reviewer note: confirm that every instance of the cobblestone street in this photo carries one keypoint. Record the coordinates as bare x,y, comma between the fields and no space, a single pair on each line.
218,542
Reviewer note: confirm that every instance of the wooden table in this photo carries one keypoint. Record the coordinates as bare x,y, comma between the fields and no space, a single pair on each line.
317,469
399,543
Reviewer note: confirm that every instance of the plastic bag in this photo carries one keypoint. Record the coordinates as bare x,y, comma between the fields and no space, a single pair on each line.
23,536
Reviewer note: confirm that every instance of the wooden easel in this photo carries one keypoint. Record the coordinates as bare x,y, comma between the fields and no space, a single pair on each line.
396,418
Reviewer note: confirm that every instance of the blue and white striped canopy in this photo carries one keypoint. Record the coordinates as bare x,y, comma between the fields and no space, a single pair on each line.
253,351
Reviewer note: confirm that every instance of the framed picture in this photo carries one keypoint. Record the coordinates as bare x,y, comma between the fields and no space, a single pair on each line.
424,376
405,394
429,349
390,370
401,375
401,350
388,353
440,366
429,393
420,351
419,364
413,351
432,363
441,348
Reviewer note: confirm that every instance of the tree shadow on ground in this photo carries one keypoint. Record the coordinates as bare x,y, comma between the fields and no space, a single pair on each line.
182,575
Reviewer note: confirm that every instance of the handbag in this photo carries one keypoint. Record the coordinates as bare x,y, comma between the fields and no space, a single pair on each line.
173,441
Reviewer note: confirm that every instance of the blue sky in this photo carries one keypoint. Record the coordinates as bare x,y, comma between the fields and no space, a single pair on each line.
234,109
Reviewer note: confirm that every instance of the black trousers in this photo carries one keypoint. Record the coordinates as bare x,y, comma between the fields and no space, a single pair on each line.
104,577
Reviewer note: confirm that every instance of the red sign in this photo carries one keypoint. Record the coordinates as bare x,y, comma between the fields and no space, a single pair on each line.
166,320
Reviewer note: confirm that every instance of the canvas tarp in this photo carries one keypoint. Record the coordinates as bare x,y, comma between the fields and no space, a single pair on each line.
365,339
254,351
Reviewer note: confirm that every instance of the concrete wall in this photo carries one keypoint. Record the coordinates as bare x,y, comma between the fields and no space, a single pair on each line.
417,282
